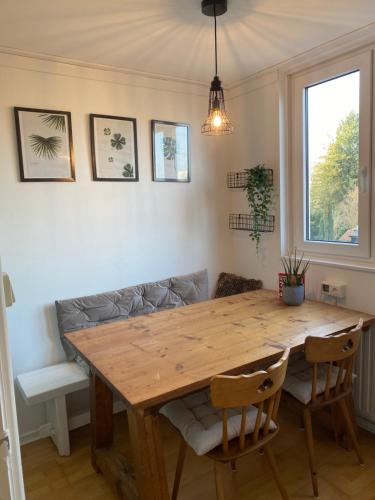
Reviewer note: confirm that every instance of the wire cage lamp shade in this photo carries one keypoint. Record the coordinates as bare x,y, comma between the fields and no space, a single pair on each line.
217,121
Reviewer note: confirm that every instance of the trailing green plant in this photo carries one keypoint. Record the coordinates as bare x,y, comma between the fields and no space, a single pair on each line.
45,147
54,121
259,192
294,269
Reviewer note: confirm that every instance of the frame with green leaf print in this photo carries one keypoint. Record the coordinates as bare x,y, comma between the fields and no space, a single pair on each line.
45,145
114,150
170,151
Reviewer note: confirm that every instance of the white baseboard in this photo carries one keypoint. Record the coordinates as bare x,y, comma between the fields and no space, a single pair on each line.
368,425
42,432
84,418
73,423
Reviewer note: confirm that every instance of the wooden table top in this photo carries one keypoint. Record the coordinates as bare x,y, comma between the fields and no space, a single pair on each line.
153,358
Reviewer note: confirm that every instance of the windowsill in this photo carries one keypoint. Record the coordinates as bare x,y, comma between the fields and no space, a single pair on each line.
366,266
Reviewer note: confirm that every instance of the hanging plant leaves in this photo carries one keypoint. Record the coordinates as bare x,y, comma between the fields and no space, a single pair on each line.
45,147
259,195
128,171
118,141
54,121
170,148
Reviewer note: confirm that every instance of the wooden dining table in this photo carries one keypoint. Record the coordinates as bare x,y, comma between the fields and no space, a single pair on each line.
151,359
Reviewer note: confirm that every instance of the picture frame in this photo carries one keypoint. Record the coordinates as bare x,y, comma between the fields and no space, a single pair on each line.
170,151
114,148
45,145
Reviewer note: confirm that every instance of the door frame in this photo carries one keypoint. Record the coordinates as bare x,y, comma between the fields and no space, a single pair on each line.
8,405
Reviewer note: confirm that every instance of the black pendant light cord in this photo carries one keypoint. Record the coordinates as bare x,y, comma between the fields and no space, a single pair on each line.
215,39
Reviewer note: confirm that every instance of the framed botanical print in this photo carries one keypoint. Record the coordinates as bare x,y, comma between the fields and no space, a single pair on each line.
170,151
45,145
114,148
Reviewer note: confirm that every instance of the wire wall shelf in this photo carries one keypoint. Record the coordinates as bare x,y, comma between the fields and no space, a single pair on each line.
239,179
247,222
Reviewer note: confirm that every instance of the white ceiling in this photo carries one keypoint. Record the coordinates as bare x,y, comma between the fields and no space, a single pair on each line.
173,38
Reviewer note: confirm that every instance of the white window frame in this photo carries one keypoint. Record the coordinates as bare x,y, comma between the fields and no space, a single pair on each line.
299,82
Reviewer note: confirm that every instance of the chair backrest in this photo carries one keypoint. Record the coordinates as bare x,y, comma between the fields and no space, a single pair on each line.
338,351
262,388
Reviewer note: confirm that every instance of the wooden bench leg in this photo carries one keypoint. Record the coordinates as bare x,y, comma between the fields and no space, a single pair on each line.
57,416
101,409
149,466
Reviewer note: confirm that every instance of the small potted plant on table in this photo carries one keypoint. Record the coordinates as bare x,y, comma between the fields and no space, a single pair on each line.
295,270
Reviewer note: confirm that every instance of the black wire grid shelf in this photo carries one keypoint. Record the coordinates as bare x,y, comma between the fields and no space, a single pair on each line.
246,222
239,179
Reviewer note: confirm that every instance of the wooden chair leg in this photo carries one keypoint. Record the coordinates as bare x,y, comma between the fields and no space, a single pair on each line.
351,409
310,448
219,480
179,468
350,428
302,422
275,471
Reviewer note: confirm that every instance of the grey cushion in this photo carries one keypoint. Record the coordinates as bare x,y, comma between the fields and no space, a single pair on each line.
201,424
93,310
298,380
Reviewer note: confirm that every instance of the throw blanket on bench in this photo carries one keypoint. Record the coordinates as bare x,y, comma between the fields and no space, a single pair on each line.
93,310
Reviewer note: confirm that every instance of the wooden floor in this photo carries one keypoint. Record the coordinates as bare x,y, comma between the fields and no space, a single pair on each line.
50,477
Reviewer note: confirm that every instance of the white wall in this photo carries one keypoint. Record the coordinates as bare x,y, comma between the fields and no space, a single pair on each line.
61,240
255,107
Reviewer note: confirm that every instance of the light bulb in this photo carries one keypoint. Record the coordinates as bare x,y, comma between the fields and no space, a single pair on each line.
217,120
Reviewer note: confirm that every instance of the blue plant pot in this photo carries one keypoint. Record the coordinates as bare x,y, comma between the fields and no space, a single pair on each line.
293,295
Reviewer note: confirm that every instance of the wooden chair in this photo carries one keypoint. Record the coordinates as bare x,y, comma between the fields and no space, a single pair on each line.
256,425
330,368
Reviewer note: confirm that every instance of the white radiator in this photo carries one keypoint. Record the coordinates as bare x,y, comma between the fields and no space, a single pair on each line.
364,386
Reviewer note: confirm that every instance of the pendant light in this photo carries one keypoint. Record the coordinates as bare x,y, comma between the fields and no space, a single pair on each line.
217,121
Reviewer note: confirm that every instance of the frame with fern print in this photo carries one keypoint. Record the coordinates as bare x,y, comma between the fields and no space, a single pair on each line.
45,145
170,151
114,149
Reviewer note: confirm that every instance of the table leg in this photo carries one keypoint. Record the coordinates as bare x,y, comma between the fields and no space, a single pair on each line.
148,455
101,409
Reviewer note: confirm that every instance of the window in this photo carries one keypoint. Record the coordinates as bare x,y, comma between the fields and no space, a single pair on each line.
332,147
331,137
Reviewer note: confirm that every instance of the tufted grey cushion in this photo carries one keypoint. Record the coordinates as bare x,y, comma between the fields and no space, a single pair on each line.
298,380
93,310
201,425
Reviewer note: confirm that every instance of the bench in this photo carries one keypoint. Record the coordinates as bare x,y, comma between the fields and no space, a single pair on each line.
50,385
93,310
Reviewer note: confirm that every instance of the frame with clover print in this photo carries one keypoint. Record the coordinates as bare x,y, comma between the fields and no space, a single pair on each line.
170,151
114,149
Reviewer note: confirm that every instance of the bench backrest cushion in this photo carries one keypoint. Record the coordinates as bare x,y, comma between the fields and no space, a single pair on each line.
93,310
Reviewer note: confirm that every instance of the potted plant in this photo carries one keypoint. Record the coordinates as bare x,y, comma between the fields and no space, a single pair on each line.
259,191
295,270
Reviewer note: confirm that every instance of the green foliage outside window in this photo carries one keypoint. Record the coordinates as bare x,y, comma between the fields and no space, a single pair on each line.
334,185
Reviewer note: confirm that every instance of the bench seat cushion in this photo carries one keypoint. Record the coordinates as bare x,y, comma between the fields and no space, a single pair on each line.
93,310
201,424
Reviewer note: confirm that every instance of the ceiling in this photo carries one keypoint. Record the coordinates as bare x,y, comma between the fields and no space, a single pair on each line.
173,38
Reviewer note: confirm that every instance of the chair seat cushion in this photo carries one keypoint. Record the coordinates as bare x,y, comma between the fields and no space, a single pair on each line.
201,425
298,380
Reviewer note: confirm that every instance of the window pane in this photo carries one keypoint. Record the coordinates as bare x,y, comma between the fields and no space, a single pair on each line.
332,157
